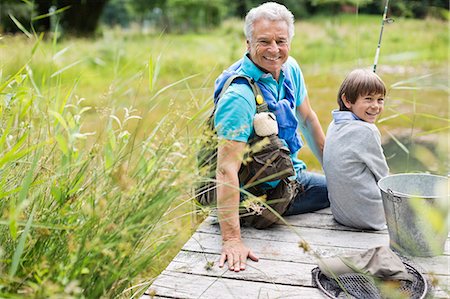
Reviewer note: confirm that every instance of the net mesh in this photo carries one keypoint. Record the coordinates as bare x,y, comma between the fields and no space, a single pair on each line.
355,285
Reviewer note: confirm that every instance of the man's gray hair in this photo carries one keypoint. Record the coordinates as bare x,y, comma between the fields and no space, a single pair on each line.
271,11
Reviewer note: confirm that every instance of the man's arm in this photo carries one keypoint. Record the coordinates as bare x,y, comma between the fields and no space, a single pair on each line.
311,129
229,159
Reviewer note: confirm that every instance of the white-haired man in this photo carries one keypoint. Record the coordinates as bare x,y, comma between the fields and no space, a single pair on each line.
269,29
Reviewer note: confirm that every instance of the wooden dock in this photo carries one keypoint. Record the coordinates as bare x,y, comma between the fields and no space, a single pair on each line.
284,269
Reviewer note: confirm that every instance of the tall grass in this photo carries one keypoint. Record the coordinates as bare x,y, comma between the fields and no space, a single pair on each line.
85,190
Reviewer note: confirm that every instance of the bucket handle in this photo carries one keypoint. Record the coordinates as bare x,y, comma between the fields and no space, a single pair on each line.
392,197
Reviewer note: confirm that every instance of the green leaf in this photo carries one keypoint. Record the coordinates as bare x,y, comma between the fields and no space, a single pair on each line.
37,43
28,179
57,193
66,68
21,245
403,147
153,71
14,152
6,83
62,144
20,26
50,13
60,119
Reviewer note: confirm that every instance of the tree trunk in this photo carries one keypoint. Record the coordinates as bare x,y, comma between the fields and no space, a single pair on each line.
82,17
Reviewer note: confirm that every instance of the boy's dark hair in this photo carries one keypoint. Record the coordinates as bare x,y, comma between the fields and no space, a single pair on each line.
359,82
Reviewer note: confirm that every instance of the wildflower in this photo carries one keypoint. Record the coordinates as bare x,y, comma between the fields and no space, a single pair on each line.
209,265
304,245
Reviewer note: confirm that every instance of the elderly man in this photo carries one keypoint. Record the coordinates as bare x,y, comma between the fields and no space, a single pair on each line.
269,29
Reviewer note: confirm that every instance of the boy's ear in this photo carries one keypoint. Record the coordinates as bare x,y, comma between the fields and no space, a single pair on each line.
346,102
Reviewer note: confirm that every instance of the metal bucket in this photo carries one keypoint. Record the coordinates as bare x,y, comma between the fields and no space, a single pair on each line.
416,210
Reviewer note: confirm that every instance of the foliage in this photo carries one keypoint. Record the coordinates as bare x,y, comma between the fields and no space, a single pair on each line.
82,206
181,16
76,17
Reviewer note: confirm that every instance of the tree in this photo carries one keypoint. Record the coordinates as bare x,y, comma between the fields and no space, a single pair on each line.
81,17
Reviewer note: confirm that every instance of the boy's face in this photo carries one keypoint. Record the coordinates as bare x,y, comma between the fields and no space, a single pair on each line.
367,107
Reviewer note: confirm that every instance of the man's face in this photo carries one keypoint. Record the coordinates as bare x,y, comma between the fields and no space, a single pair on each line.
269,48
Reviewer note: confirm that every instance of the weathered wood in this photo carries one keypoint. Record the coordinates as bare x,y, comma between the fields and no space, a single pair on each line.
322,220
269,271
314,236
317,235
284,269
180,285
290,252
285,251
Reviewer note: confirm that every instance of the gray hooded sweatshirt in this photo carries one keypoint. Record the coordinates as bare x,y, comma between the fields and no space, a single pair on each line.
353,163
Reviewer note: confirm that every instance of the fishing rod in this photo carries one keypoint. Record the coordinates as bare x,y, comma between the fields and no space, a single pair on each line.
385,20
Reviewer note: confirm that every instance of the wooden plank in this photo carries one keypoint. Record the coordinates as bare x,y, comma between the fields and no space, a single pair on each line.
290,252
284,251
440,294
269,271
272,271
314,236
323,221
199,285
180,285
309,220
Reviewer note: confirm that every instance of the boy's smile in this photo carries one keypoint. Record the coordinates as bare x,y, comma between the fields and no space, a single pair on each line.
367,107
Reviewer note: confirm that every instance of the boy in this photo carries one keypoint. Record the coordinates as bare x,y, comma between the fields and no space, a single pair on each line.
353,158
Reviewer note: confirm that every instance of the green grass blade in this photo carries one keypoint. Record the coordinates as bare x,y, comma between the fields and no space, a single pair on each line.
50,13
37,43
28,180
21,245
431,116
6,83
403,147
150,73
153,71
173,84
20,26
432,131
66,68
60,120
15,153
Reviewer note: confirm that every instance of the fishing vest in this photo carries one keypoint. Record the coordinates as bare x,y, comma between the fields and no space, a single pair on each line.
284,109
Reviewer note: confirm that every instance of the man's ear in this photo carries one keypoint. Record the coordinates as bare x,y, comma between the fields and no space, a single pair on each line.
248,45
346,102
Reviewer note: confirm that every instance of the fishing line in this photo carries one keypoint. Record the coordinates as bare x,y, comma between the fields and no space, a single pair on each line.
385,20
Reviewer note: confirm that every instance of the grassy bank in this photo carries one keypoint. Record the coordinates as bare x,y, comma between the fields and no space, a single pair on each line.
98,139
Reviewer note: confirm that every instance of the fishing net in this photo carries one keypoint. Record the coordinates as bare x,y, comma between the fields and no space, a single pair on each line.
356,285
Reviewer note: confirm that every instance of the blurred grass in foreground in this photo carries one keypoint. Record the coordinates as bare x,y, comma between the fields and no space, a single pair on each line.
98,139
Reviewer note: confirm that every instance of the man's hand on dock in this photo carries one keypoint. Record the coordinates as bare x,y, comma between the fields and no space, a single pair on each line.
236,253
